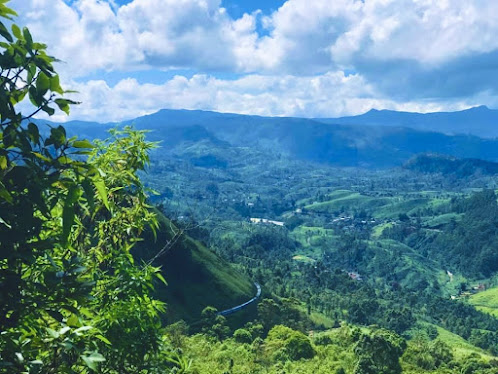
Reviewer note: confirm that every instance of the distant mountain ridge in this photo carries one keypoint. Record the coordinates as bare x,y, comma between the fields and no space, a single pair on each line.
479,121
352,144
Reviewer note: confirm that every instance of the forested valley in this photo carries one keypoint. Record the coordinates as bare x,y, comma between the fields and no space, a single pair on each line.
129,251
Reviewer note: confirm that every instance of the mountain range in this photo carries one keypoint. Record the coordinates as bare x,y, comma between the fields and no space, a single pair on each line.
479,121
377,139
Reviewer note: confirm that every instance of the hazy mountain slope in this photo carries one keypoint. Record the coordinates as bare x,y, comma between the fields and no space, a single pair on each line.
430,163
480,121
342,145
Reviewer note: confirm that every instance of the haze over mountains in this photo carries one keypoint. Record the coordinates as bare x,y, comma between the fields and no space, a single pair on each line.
374,139
480,121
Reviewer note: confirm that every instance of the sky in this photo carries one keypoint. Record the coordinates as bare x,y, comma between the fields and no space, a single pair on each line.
306,58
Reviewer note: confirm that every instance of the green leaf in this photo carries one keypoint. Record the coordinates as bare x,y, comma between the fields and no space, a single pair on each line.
3,162
83,144
17,31
42,83
54,334
83,328
9,136
5,223
92,360
161,278
41,157
73,321
63,330
5,33
102,191
34,97
50,111
5,11
4,194
55,85
31,68
103,338
34,133
64,104
27,37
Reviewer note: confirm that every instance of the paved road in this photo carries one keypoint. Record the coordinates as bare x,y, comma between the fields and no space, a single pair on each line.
226,312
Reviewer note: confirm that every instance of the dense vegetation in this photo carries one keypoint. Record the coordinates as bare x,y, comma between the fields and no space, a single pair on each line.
451,166
363,271
72,298
399,250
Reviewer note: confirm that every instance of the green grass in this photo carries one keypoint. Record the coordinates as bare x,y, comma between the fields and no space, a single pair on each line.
349,202
302,258
410,267
339,194
333,195
442,219
486,301
377,230
318,318
394,209
460,347
307,235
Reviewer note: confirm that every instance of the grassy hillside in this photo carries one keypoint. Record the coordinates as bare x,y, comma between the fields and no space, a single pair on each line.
460,347
486,301
196,276
345,200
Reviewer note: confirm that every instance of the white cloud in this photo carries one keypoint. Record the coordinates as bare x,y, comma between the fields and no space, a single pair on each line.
305,36
164,34
329,95
403,53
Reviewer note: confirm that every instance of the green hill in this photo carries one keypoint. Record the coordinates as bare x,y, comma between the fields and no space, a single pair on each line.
196,276
486,301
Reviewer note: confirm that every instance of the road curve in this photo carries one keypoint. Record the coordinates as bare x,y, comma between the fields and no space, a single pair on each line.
226,312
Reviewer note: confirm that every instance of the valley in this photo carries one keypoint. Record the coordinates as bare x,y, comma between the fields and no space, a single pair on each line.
403,248
269,220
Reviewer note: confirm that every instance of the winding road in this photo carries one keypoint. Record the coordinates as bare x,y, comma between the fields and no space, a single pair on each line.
226,312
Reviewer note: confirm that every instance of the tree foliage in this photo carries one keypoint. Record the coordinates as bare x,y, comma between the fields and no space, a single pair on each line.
72,298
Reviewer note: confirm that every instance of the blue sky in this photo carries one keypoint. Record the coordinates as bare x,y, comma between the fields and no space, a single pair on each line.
237,8
310,58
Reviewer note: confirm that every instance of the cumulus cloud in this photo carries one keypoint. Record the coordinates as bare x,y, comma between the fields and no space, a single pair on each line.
329,95
165,34
423,53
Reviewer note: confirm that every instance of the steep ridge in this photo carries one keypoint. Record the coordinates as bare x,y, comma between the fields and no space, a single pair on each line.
196,276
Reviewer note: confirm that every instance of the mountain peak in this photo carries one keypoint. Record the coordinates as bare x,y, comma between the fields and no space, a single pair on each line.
373,110
480,108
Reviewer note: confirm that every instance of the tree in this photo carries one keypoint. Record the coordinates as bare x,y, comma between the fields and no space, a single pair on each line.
72,298
379,352
214,324
288,344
